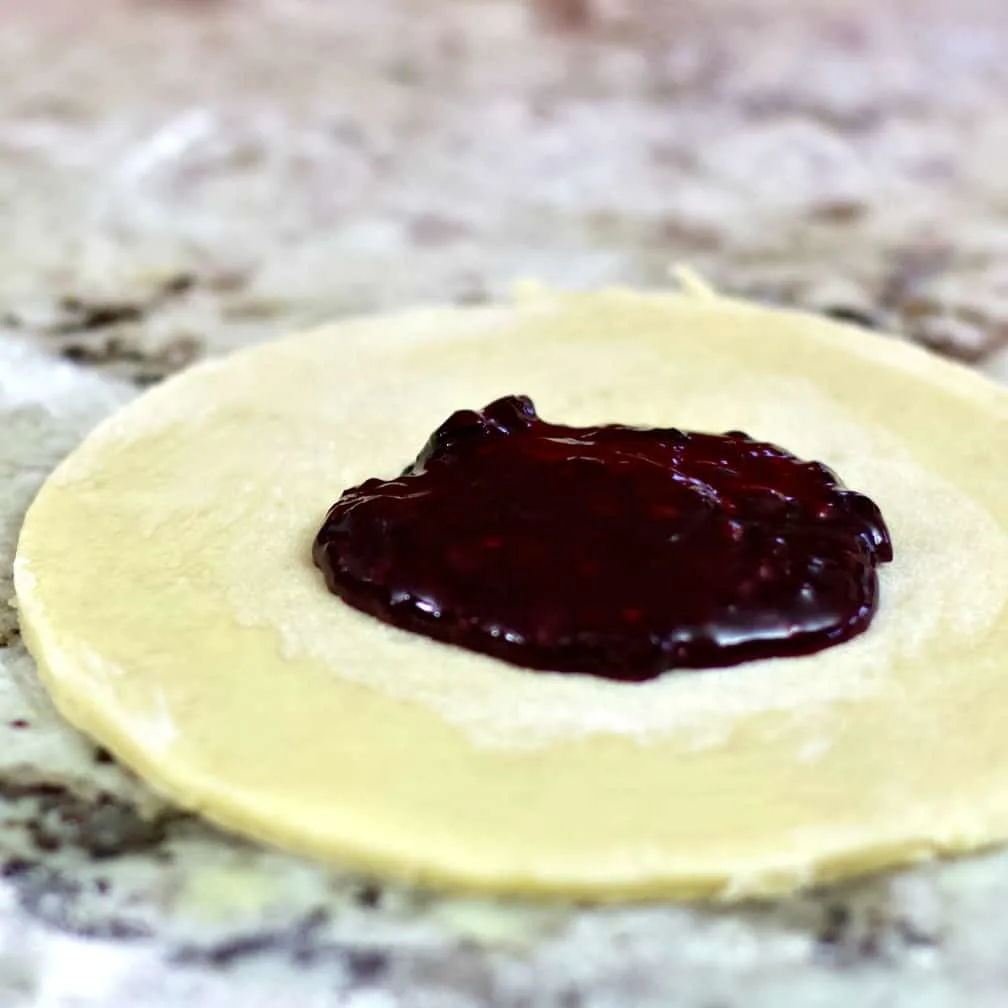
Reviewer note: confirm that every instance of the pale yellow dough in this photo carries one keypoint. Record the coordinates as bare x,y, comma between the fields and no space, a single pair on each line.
166,590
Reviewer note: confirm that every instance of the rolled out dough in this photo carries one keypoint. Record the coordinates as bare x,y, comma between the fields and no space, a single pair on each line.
166,590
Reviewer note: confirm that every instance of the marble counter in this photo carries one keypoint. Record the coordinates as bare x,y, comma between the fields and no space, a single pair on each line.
180,178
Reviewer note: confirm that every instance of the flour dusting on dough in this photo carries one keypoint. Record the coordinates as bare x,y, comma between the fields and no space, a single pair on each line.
499,705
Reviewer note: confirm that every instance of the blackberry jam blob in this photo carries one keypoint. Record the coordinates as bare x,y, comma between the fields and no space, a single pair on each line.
615,551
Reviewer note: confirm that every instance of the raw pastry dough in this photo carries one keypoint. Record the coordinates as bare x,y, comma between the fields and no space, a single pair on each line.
166,590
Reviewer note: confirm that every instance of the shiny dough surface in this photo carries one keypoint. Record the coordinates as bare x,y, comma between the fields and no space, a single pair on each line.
166,590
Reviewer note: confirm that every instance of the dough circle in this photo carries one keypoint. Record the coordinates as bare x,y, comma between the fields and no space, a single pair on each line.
166,590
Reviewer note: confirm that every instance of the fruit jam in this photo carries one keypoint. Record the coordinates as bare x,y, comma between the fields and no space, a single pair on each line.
614,551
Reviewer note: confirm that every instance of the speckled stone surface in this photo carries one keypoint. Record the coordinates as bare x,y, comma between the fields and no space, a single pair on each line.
180,177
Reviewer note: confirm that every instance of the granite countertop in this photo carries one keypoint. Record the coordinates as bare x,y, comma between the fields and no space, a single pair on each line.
178,178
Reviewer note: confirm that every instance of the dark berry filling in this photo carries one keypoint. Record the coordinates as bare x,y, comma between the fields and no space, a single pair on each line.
616,551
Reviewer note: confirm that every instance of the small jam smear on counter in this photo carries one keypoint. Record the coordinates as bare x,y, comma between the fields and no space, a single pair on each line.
615,551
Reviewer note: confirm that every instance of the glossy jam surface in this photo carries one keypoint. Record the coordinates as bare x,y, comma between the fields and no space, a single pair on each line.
616,551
